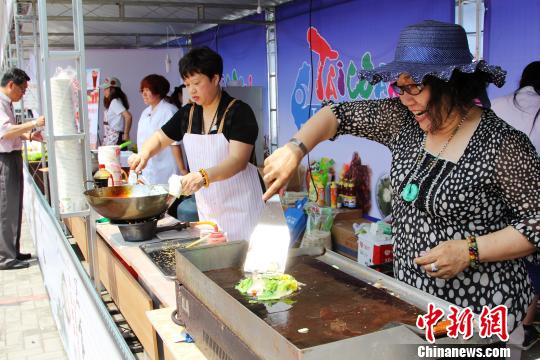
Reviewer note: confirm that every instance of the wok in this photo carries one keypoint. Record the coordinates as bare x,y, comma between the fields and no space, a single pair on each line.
130,202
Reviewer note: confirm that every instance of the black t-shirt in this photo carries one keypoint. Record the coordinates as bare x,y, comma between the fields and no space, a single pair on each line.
240,123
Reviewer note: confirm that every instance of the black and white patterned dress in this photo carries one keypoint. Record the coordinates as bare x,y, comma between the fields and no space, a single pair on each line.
495,183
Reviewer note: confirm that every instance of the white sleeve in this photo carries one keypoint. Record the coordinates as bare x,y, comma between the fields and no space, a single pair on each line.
117,107
167,115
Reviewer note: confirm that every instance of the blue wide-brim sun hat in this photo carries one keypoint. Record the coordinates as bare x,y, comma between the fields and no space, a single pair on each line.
432,48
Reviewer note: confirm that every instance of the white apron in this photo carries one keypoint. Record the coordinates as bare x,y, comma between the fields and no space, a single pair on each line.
235,204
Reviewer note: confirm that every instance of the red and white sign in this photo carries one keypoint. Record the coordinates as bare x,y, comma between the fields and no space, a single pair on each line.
92,97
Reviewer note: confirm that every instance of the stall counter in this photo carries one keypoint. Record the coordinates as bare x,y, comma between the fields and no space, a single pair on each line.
168,332
156,285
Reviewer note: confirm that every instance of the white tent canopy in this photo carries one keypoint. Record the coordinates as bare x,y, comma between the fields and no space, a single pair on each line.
141,23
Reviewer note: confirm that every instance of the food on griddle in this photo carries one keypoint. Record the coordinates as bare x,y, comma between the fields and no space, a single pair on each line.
265,287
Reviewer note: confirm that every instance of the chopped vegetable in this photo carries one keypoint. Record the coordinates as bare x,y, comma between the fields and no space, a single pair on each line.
268,286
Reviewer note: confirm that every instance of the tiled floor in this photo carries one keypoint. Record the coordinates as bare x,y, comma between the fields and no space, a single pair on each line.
27,329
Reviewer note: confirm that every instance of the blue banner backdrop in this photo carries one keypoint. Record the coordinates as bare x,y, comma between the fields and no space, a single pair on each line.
243,48
346,36
511,38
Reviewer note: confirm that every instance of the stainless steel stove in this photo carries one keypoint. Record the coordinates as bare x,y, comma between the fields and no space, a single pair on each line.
344,310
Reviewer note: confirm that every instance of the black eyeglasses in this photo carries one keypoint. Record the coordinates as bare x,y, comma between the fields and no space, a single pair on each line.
412,89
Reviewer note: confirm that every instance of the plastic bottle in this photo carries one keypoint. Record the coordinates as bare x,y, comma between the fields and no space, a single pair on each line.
341,194
103,178
327,197
333,195
346,194
352,199
320,196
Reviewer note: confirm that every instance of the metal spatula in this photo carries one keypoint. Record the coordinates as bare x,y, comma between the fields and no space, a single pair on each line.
269,243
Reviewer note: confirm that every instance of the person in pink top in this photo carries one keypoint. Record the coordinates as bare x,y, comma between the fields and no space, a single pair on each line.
12,88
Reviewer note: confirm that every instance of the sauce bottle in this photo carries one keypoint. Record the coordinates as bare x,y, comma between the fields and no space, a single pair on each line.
102,176
333,195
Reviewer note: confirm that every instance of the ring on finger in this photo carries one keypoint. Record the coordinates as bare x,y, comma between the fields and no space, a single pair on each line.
434,267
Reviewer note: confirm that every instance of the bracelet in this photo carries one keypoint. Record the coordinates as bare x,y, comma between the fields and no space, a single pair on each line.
30,136
300,144
205,177
474,260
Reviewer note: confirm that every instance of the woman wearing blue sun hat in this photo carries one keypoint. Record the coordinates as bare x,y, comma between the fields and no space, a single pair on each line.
466,191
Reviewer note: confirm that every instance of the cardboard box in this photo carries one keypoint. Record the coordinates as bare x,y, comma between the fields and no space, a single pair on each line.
374,248
344,240
349,214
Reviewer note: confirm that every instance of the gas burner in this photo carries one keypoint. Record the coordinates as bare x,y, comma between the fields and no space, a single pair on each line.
137,221
145,229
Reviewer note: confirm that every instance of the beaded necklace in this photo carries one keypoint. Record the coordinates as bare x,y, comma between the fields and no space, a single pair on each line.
410,191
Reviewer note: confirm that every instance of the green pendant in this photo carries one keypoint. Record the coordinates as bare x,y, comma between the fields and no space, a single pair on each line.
410,192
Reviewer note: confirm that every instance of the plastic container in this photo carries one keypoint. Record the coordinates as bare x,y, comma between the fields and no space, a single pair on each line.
216,237
109,156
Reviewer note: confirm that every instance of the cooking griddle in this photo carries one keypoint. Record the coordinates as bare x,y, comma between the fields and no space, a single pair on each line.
163,253
350,311
332,305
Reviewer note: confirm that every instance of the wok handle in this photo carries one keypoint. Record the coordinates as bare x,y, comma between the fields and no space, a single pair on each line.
177,226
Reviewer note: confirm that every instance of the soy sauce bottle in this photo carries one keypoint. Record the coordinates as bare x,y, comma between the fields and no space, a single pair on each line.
101,177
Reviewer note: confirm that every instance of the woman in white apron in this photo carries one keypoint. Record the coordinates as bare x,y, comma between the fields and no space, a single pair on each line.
154,89
219,134
117,118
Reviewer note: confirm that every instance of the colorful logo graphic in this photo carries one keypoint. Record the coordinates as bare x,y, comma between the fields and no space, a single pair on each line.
236,80
332,82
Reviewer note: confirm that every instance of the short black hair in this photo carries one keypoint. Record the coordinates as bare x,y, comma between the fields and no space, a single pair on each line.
202,60
173,99
16,75
531,76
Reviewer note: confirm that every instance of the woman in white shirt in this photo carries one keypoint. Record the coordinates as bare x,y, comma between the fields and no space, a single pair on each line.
117,120
521,109
154,89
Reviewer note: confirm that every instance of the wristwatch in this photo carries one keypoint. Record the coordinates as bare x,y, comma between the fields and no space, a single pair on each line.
300,144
